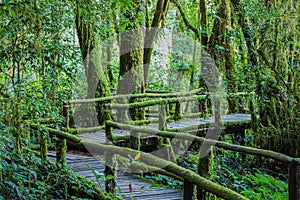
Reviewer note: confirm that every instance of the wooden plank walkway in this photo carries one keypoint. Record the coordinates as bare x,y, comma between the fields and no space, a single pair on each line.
99,137
141,189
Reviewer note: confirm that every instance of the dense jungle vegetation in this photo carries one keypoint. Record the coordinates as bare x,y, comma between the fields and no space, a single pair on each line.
52,51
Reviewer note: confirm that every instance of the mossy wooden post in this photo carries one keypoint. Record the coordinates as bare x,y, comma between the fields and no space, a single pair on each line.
167,107
170,110
294,180
107,112
110,164
217,112
135,142
61,147
162,122
43,144
177,111
204,165
162,125
188,190
253,115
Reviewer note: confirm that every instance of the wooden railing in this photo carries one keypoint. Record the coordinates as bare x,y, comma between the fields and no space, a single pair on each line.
162,100
172,102
293,163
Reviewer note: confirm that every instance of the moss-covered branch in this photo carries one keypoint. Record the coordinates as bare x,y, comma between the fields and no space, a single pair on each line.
143,95
185,20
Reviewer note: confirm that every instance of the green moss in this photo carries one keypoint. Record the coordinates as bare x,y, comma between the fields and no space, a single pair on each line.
61,151
43,137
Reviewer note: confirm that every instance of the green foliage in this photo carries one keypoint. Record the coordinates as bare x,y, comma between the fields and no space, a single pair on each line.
163,181
234,172
29,177
261,186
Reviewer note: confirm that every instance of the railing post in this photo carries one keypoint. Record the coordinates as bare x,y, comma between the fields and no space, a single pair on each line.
162,124
177,111
188,190
66,114
253,115
294,180
135,141
42,137
110,164
61,147
217,112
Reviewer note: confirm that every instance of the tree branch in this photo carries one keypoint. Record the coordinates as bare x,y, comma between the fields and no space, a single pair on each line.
185,20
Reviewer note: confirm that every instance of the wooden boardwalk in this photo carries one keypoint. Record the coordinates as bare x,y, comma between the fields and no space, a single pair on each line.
141,189
99,137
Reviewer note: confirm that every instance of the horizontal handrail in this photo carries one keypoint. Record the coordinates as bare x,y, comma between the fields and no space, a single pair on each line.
181,135
154,102
152,161
143,95
150,95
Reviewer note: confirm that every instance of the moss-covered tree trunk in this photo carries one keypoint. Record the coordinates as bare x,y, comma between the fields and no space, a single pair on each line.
204,165
229,55
222,50
97,80
131,74
203,21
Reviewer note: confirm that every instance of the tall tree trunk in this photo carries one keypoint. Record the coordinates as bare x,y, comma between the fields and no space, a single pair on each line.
222,50
203,21
131,75
98,85
151,34
230,68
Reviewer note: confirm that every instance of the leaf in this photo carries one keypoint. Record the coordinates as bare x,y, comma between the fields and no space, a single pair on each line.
97,174
137,156
13,14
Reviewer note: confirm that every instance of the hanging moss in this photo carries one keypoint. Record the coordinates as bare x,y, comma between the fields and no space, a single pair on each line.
26,128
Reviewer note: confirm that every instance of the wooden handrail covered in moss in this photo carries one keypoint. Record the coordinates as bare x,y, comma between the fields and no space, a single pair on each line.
151,160
151,95
191,177
181,135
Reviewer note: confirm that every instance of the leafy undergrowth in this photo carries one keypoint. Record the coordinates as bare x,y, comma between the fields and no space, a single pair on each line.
237,173
255,182
164,181
29,177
